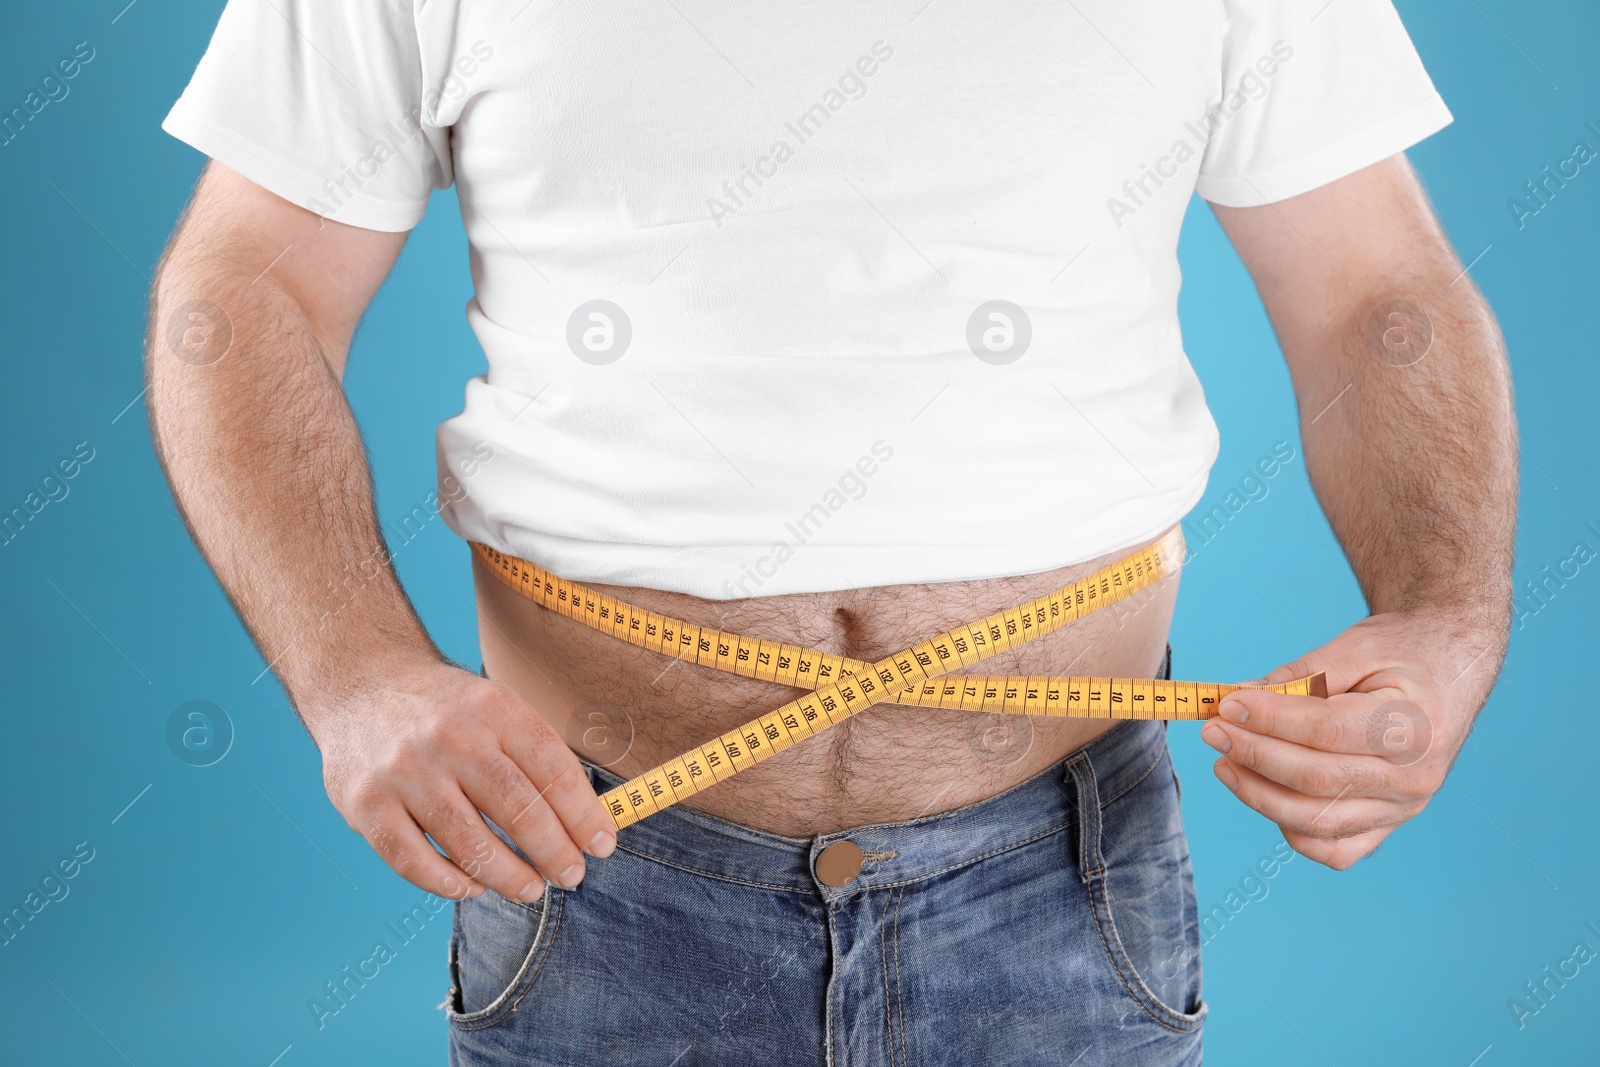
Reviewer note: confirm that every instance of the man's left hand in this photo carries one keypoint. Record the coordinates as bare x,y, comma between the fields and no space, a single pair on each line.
1341,773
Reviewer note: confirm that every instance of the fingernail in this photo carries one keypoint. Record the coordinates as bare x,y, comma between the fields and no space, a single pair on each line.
475,891
1216,737
571,876
1229,779
602,844
531,892
1234,711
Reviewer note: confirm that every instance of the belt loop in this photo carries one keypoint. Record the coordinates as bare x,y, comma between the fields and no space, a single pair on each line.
1087,796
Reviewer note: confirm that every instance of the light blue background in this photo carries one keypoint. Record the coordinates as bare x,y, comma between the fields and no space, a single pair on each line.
220,902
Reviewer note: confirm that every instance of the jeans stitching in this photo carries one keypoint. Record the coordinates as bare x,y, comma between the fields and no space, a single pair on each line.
1183,1023
1052,829
899,998
1087,802
1103,910
561,908
1088,789
1055,829
827,989
1133,784
883,959
512,998
712,874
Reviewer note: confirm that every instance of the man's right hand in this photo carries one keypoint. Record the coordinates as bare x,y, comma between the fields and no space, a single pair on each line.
434,746
252,315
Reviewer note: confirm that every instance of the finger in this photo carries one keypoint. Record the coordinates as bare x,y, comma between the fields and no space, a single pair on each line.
1327,724
1299,668
1342,816
1344,661
500,789
1341,853
1310,663
397,839
564,785
1305,770
455,824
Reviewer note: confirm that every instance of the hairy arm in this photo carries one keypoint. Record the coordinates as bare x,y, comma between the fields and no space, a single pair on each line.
252,314
1410,443
1405,398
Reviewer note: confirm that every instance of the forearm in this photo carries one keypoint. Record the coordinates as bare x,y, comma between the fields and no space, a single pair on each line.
267,466
1415,459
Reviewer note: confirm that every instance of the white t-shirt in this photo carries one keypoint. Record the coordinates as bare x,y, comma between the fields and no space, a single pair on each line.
812,294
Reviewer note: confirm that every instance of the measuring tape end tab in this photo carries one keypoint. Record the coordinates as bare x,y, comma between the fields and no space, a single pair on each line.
1312,685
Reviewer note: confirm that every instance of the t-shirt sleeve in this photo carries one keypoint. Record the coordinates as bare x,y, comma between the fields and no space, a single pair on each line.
1312,90
322,103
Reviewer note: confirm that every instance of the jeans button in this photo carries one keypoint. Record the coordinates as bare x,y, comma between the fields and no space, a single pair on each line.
839,864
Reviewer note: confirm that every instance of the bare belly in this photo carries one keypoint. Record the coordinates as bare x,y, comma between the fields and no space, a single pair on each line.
628,709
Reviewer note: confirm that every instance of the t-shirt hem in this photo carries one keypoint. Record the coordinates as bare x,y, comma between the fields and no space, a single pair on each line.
1397,133
283,177
709,572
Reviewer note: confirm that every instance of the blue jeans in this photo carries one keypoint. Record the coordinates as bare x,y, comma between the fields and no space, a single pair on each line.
1053,923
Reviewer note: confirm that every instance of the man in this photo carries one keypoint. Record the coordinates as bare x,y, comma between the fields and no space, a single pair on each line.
840,326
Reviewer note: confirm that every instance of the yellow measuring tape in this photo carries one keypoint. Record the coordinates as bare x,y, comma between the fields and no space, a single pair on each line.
841,686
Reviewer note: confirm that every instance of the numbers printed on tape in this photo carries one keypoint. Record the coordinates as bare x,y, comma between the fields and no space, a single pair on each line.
839,687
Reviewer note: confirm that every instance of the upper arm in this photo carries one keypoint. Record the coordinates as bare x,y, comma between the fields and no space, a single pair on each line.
236,236
1325,260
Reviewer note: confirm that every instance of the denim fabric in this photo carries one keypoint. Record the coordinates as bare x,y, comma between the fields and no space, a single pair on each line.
1053,923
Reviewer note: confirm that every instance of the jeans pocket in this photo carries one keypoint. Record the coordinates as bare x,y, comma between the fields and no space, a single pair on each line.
1141,889
498,947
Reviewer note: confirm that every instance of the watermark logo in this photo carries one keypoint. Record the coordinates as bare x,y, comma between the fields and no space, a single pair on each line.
850,485
602,732
1539,994
1253,887
354,577
1000,739
52,490
52,888
199,733
1252,85
599,332
338,993
1541,192
53,88
1201,527
1400,732
345,182
999,332
199,332
1538,593
1399,332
